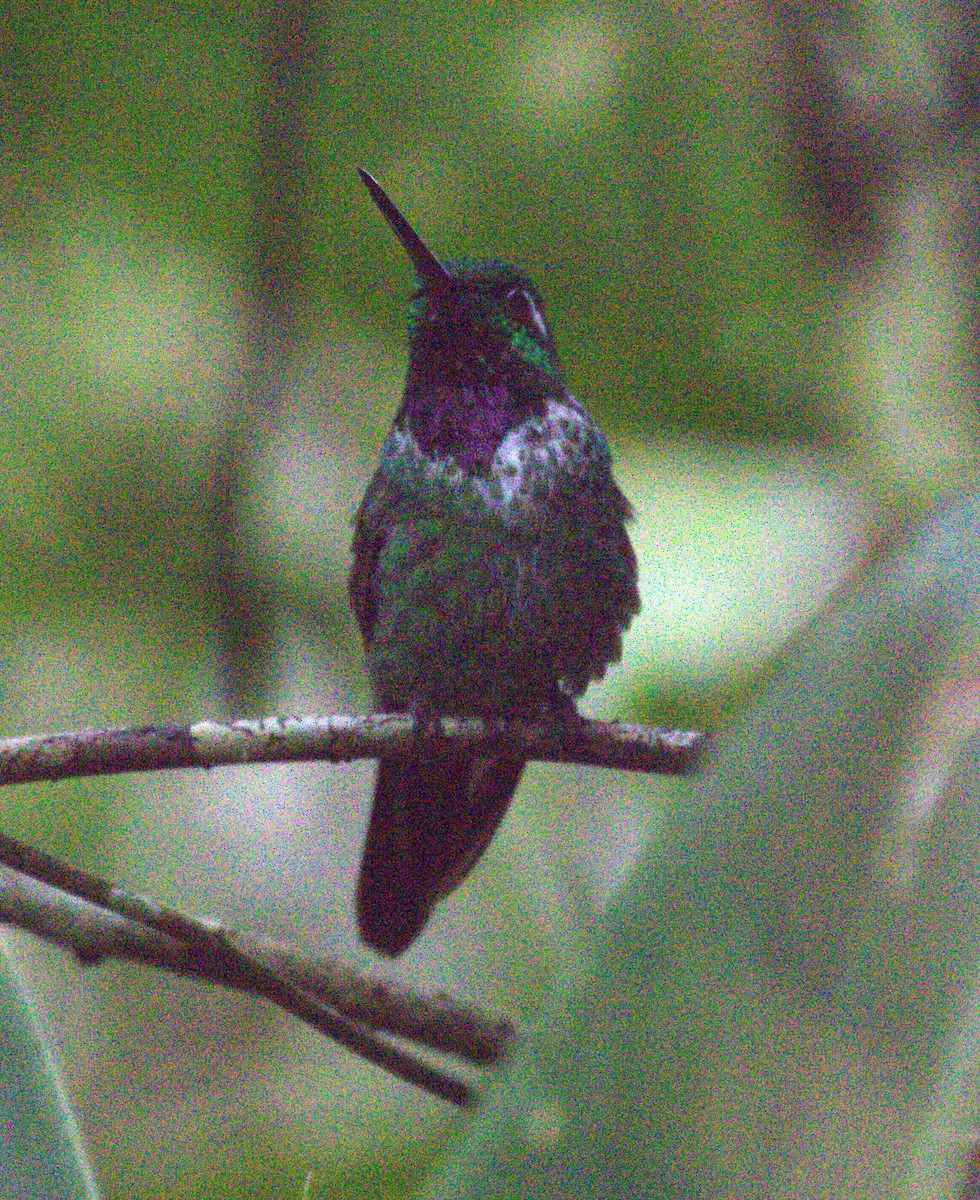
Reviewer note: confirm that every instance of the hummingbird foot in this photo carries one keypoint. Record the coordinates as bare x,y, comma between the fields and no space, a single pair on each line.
560,710
427,718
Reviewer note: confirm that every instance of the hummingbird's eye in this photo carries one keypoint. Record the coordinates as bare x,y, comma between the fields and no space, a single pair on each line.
523,309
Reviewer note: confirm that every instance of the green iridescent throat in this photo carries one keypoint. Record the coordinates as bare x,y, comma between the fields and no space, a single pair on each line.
532,352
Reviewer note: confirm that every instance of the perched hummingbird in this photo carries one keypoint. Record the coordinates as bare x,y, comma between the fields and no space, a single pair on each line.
493,576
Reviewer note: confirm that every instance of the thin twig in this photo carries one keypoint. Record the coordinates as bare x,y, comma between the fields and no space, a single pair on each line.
439,1022
325,994
340,738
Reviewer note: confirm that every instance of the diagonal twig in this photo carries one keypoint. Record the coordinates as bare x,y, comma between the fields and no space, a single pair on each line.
326,994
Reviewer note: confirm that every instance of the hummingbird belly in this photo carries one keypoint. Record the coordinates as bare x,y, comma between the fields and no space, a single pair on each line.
478,619
454,622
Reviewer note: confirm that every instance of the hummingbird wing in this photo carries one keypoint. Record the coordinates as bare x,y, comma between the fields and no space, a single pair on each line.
432,820
372,528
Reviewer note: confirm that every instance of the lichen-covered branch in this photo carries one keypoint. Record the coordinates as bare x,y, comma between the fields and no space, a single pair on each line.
339,738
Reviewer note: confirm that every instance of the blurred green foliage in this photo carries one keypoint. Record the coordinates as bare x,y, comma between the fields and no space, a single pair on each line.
636,162
43,1156
782,1001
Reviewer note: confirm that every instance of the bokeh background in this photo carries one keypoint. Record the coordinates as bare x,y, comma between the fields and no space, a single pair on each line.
755,230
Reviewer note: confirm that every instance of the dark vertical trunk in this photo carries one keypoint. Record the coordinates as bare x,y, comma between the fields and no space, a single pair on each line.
245,604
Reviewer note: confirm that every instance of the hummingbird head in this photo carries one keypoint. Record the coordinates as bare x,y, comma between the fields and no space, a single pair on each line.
487,327
481,355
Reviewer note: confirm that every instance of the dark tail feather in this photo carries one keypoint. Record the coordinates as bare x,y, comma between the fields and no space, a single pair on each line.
431,822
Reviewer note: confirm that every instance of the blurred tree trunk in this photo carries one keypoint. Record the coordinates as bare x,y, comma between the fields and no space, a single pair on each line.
884,113
254,414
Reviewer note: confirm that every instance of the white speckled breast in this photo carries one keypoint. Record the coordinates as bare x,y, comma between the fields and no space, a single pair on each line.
563,448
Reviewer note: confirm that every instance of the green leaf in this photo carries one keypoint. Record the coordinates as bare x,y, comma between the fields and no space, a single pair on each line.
41,1151
785,998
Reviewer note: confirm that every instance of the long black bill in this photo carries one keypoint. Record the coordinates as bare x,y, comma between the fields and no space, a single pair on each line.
430,269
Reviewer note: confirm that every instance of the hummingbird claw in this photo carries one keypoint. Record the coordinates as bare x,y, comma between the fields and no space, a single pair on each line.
560,709
427,718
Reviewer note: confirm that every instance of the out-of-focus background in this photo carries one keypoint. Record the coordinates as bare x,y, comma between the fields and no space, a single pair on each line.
755,231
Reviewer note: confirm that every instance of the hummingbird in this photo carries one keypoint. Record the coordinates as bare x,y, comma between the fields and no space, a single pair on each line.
493,576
